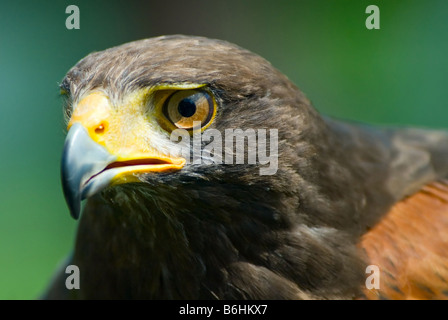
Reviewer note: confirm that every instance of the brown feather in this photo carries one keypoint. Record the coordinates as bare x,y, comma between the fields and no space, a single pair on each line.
410,247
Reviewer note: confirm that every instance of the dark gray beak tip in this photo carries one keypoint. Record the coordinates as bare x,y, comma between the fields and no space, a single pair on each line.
70,183
72,198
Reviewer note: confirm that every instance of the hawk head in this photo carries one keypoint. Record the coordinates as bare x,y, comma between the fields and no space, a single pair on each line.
163,222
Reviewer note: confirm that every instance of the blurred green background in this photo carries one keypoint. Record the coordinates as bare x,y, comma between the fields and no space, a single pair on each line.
395,75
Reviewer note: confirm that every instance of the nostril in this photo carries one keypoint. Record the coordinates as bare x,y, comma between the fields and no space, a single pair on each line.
100,129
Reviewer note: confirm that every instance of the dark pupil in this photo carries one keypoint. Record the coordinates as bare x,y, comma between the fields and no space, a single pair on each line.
186,108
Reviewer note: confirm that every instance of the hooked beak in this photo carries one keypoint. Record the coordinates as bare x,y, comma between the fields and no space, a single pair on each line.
82,158
87,167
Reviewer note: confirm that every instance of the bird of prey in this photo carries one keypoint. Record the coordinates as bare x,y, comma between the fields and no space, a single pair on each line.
156,225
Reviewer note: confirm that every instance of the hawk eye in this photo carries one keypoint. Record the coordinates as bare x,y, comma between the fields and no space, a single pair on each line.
184,107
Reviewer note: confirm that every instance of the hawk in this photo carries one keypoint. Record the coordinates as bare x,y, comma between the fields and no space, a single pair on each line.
158,225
